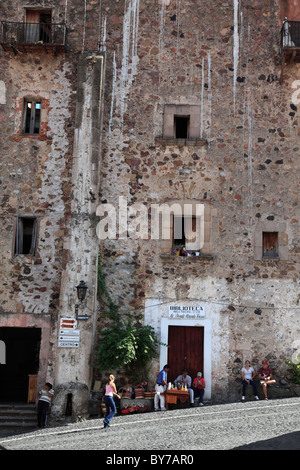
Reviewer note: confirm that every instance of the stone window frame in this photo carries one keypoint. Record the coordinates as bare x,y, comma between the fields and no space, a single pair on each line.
17,234
168,137
182,110
166,244
271,226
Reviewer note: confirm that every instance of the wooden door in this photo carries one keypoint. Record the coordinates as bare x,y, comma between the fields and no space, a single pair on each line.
185,350
32,26
32,386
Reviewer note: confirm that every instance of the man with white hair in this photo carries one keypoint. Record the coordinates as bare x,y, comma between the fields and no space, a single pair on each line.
185,379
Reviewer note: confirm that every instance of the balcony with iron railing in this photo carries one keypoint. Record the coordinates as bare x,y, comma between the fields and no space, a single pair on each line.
28,37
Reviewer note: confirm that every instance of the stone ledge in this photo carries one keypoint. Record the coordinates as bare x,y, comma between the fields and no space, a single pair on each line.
171,141
186,259
276,390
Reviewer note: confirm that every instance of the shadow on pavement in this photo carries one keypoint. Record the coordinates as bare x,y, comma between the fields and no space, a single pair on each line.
289,441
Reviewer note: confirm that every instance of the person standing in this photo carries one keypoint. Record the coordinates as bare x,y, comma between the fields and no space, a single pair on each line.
45,397
160,388
265,375
110,391
248,374
185,379
199,387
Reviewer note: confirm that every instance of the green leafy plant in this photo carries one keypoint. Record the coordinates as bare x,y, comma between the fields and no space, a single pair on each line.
125,343
295,370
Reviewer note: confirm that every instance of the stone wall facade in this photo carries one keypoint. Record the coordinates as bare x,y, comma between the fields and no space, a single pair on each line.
52,176
220,64
110,101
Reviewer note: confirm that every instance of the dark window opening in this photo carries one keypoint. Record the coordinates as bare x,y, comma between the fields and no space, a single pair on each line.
32,116
26,236
184,230
182,124
69,404
178,233
270,245
45,27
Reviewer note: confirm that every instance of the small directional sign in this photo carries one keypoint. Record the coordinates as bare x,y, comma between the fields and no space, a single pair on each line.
83,317
68,323
68,337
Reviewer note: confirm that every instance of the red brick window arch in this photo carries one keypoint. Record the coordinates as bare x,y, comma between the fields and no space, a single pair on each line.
34,112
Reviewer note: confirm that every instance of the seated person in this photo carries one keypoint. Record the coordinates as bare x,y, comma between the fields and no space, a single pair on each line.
184,378
248,374
199,386
265,376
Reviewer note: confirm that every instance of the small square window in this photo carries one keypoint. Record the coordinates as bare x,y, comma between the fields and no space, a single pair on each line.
181,125
270,245
31,116
26,236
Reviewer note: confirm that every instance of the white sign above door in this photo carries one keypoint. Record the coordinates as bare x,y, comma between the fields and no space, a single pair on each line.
186,311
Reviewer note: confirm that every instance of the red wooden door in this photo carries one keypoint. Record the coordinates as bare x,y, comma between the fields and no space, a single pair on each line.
185,350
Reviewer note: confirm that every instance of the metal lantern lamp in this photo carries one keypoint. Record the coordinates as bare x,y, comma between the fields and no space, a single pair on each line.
81,290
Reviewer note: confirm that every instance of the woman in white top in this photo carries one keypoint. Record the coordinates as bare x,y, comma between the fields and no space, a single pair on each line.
248,375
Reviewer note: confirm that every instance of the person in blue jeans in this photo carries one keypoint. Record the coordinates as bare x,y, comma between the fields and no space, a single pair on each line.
110,391
248,375
199,387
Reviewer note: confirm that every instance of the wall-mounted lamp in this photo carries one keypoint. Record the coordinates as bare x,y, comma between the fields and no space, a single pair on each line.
81,290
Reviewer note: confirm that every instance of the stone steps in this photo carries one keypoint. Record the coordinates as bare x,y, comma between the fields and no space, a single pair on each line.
17,417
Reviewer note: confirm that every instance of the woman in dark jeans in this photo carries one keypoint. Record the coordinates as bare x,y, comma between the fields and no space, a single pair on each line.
248,375
110,391
199,386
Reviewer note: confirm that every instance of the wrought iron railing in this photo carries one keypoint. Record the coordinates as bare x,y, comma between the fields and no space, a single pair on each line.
33,33
290,34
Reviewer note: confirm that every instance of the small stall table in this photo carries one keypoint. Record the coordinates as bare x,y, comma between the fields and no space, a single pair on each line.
173,395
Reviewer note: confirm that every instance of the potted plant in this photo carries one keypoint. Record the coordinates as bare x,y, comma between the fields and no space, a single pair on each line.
177,249
190,253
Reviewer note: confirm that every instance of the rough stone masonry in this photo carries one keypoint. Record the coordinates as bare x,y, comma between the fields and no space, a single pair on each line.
215,66
218,63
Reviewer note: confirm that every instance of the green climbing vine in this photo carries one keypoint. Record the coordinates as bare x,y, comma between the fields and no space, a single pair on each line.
295,370
125,342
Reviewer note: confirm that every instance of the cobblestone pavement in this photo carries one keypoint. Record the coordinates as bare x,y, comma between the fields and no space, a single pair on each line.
273,424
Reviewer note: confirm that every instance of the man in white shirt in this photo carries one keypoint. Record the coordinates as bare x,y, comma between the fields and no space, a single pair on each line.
186,379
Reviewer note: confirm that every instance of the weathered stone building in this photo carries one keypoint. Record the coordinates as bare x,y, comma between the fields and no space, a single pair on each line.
199,109
51,101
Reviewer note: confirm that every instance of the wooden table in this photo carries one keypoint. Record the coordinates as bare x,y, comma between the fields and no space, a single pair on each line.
173,395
